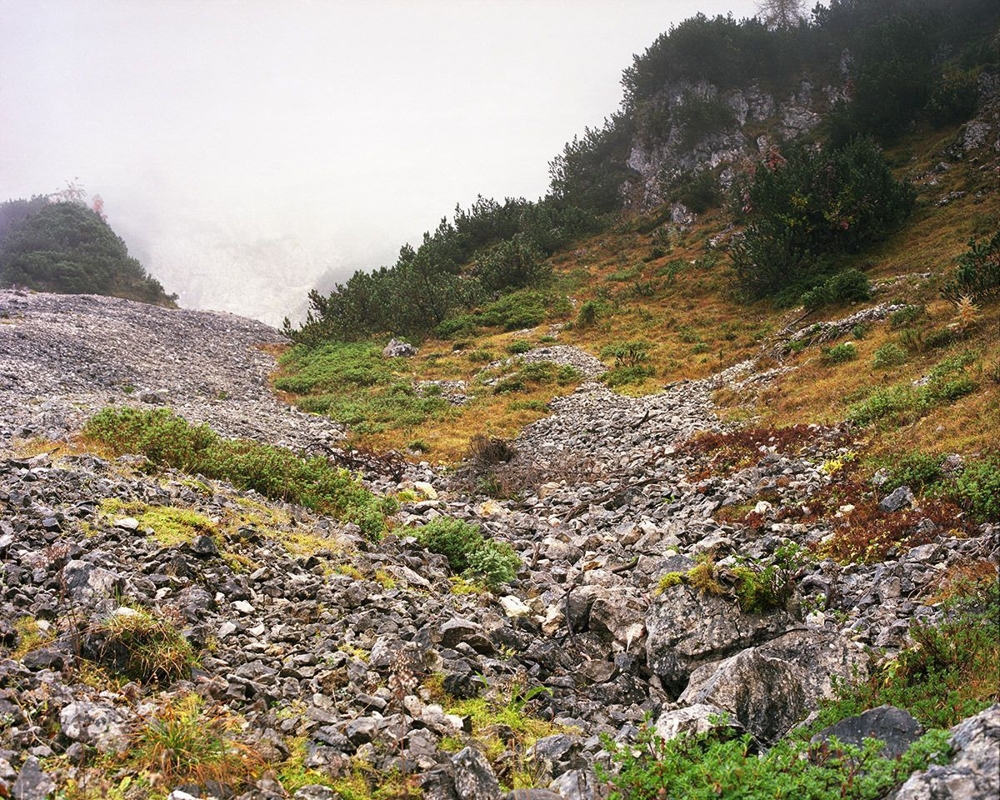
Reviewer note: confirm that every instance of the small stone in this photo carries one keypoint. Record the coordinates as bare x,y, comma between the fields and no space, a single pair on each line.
514,607
425,489
32,783
897,499
204,546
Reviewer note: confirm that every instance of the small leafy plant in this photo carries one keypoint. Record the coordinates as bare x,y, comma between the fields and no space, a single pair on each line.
841,353
468,551
706,767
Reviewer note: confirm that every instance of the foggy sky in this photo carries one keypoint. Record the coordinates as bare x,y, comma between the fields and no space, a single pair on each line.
246,149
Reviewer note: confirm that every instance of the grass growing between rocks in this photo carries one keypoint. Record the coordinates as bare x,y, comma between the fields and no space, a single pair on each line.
171,525
504,726
182,741
187,742
276,472
951,671
395,403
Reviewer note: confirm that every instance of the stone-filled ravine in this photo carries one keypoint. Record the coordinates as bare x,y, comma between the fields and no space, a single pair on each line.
329,650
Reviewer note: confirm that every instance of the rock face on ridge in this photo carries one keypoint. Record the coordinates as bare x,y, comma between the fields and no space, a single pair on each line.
319,639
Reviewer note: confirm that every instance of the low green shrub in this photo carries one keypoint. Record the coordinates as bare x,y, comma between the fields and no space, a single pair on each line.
518,347
976,487
589,313
978,273
333,366
849,286
534,374
707,766
841,353
889,355
907,315
763,586
467,551
627,354
902,403
276,472
915,469
623,376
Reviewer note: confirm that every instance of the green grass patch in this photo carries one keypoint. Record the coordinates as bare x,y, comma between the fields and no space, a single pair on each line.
904,403
276,472
353,383
171,525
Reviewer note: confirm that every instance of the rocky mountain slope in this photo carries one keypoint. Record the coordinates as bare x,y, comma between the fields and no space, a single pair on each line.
332,666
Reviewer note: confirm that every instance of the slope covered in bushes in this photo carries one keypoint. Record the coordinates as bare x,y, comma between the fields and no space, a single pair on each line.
65,247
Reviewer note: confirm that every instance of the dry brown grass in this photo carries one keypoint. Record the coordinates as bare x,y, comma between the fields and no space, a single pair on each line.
671,289
963,579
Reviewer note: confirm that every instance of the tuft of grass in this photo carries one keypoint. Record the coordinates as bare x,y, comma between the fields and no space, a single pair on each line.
135,644
704,577
186,742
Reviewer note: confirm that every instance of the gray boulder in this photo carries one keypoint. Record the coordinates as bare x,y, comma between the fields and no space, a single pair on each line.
687,628
579,784
896,728
86,583
474,778
96,724
398,349
896,499
974,771
699,718
769,688
32,783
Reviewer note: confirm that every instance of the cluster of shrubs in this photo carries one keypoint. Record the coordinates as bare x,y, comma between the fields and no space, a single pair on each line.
276,472
802,208
488,251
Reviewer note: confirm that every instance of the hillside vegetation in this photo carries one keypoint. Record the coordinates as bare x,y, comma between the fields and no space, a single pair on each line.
852,265
696,469
60,245
878,203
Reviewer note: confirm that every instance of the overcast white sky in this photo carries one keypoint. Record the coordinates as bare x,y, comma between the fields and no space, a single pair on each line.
246,148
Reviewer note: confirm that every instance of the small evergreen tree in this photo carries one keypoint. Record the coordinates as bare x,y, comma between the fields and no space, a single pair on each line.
803,208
